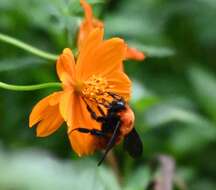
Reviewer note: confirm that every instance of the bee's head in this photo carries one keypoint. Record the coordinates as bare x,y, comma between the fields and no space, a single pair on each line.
117,105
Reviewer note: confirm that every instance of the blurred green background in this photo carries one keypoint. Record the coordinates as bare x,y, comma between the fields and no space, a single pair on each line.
174,93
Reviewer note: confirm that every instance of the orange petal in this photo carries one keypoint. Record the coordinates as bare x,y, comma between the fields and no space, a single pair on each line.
99,57
66,66
87,10
93,40
47,113
85,29
120,84
82,143
88,24
133,53
40,108
66,106
50,123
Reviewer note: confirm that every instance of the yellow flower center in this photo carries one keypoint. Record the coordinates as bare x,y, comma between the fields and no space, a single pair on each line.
96,88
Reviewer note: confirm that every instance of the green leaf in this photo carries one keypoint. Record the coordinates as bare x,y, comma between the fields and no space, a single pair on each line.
19,63
194,133
34,170
163,114
192,138
138,180
142,98
154,50
204,85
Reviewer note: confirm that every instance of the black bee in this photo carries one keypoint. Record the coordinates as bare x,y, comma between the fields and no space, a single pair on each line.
117,122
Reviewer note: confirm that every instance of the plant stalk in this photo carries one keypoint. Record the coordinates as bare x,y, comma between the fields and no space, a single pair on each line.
29,87
26,47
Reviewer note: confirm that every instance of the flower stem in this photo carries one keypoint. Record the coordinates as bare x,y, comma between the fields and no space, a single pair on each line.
111,159
29,48
29,87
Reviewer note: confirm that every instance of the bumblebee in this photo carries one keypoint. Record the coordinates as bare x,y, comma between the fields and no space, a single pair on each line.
116,124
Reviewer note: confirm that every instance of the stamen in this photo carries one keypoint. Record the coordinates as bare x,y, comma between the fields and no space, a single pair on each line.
96,89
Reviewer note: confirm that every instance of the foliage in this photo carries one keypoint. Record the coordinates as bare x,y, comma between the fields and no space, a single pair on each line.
174,91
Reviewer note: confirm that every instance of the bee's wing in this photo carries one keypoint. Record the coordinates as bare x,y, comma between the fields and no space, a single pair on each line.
133,144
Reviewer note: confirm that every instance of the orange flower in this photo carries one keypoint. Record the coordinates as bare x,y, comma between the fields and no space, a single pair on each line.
98,71
133,53
90,22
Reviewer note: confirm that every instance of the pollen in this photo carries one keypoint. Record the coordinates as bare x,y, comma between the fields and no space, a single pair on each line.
96,88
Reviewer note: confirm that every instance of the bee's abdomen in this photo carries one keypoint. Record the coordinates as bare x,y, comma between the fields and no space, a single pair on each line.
127,121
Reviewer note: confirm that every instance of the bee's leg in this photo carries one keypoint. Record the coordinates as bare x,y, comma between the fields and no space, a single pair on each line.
94,132
93,114
101,111
115,96
111,142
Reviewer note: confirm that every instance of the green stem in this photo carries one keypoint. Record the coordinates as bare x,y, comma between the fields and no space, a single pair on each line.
29,87
27,47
